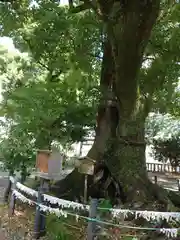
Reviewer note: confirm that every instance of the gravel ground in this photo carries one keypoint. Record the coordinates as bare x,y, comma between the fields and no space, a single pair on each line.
4,231
2,188
18,227
3,185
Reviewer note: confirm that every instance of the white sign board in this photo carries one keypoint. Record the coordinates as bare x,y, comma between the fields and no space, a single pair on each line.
86,167
55,163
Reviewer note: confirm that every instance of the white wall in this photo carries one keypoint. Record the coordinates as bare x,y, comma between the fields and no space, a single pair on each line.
85,149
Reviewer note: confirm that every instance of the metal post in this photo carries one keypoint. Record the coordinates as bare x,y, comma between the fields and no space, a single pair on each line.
40,224
37,223
178,182
85,188
7,191
12,202
155,179
80,150
91,230
43,215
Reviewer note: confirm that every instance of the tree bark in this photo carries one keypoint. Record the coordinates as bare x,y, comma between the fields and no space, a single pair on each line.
107,117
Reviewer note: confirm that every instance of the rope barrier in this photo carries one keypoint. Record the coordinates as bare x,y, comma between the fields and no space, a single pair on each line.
169,232
148,215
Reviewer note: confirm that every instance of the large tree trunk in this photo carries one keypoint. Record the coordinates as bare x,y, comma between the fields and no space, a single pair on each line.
120,126
107,116
129,26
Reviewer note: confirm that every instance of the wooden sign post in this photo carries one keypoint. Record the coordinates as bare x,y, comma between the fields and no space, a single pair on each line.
55,164
86,167
49,167
49,163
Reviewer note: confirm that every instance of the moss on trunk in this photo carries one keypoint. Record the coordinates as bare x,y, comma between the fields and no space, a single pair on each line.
125,159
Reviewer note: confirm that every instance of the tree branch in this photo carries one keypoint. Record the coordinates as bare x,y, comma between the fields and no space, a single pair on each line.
88,4
31,49
71,4
164,14
80,8
52,77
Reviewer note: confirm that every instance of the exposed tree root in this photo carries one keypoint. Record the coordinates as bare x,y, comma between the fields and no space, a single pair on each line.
101,185
155,197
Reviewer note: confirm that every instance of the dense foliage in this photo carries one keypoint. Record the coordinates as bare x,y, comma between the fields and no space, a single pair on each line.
50,90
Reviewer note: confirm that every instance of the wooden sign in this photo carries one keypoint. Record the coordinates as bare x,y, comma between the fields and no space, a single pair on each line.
85,166
48,163
42,160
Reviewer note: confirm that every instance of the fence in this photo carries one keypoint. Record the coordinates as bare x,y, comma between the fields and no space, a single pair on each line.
162,168
165,169
63,207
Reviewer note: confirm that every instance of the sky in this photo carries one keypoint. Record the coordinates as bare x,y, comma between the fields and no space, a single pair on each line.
64,2
8,43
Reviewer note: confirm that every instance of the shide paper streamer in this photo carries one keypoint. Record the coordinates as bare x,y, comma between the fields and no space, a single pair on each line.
65,203
26,190
169,232
53,200
147,215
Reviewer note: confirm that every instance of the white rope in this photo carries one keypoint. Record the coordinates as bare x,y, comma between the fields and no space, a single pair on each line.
22,197
65,203
26,190
53,200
